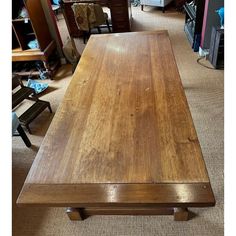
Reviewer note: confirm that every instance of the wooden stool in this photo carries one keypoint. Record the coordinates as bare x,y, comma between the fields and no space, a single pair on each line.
30,114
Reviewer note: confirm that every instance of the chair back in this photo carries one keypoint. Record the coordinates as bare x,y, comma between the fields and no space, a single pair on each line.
88,15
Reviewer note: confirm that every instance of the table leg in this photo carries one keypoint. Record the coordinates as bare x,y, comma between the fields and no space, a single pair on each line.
74,213
181,214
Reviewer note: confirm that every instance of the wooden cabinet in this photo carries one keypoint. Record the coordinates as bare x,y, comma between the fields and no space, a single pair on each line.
30,26
120,15
179,3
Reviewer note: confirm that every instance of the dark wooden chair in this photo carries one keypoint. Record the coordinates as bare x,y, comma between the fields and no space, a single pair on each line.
83,21
21,92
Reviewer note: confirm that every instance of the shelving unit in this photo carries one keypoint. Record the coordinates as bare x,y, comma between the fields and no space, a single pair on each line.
193,22
216,54
34,26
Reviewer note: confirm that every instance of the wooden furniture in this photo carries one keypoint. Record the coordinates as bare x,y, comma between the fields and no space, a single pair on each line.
123,140
193,22
216,53
33,112
27,29
120,15
156,3
179,3
16,126
20,95
101,18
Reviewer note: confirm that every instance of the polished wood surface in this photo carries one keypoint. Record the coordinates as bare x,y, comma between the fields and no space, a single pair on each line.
124,118
102,195
123,133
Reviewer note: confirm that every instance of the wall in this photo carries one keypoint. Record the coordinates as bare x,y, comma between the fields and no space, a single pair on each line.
211,18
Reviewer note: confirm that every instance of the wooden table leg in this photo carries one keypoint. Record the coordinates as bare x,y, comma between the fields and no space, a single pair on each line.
74,213
181,214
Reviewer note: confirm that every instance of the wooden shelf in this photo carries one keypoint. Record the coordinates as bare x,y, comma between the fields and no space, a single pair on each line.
27,29
35,72
32,54
21,19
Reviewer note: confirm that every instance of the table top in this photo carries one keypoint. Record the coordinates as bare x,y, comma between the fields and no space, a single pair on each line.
124,121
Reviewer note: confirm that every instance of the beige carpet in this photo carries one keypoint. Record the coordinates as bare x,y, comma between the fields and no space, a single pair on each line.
204,90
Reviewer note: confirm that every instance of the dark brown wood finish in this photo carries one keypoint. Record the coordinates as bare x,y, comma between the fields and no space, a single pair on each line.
33,54
123,135
120,15
102,195
39,23
30,28
181,214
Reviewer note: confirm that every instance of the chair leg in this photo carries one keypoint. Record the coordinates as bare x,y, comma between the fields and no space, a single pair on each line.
84,37
99,30
23,136
108,26
28,128
49,108
141,7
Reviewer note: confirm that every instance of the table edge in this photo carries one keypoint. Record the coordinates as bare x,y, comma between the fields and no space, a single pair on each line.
98,195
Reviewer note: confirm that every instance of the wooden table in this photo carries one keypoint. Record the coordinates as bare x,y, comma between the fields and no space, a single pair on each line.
123,140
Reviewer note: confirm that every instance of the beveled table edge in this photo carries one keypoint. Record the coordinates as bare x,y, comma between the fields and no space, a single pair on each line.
103,195
148,32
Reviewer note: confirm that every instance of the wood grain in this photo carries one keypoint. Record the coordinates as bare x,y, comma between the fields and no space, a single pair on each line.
122,195
124,118
123,133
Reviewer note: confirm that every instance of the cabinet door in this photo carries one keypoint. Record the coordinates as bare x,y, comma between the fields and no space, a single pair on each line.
120,13
39,23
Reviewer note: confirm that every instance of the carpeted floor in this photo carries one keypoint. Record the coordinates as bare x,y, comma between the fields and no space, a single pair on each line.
204,89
